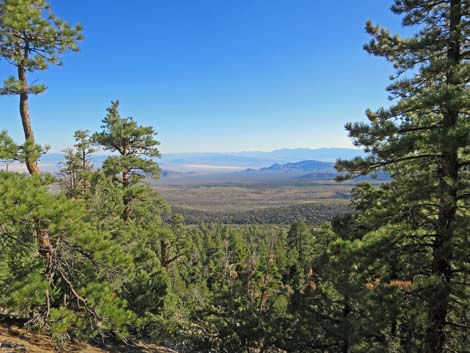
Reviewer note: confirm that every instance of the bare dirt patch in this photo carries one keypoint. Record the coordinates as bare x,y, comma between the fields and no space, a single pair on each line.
16,340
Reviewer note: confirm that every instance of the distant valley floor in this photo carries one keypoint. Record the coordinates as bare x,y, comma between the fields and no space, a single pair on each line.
278,194
264,204
243,198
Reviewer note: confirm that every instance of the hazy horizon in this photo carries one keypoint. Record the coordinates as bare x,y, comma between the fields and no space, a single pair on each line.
213,161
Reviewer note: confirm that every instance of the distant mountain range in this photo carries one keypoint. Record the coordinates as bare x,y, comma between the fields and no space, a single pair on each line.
301,154
297,173
303,166
253,160
313,170
243,168
228,162
298,170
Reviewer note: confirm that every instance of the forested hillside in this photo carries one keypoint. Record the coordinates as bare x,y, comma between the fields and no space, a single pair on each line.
97,255
313,214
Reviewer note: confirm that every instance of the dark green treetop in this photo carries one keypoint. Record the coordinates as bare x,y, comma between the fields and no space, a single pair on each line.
136,146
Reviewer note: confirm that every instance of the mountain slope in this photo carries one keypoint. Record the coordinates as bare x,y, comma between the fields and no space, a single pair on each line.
310,166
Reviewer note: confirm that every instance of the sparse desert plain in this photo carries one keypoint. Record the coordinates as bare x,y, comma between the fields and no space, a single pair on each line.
227,198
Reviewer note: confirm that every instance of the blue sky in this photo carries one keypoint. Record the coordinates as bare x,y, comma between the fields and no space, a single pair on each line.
214,75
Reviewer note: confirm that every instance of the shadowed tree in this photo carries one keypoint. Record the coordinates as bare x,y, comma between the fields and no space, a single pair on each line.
74,294
423,141
31,39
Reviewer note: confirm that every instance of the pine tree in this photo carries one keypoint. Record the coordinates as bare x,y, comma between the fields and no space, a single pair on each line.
138,227
9,151
31,39
422,141
84,148
77,167
72,293
298,239
136,146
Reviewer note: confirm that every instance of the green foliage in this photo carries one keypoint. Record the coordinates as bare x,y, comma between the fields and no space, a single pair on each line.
136,145
104,256
77,278
30,152
31,36
313,214
132,142
243,278
77,168
420,219
31,39
9,151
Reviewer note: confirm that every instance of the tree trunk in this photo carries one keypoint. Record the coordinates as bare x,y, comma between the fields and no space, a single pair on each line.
448,176
84,161
126,200
125,178
42,233
164,256
346,312
44,242
25,119
407,336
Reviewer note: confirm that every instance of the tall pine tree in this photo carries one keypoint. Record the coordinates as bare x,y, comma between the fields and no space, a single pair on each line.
31,39
136,146
422,140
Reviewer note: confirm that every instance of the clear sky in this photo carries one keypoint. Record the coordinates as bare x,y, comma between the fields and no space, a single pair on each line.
214,75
